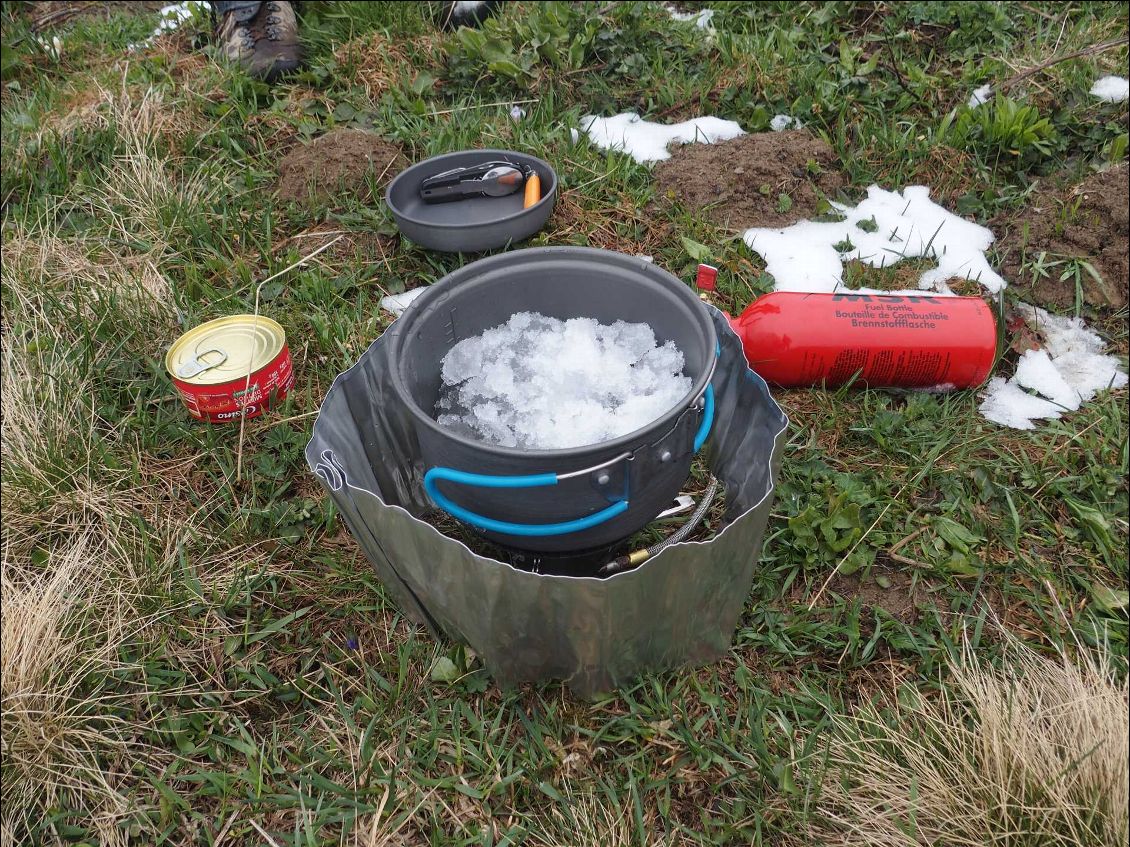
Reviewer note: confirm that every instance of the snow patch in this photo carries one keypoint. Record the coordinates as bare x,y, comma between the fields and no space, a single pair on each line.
170,19
701,18
53,48
780,123
397,303
1068,372
1113,89
646,141
1036,371
809,256
980,96
1007,404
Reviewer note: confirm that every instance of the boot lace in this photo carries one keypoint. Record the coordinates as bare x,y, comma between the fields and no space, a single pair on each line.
243,33
273,21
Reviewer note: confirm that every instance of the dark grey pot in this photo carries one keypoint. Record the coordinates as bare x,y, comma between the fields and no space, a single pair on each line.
646,467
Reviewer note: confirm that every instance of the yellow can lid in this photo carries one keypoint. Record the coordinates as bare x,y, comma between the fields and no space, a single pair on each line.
225,349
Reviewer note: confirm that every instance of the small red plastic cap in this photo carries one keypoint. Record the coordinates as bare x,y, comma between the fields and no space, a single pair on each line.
706,278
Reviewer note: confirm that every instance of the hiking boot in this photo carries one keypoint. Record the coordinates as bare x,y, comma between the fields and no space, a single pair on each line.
264,44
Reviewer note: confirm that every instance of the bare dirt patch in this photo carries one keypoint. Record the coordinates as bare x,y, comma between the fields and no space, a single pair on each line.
765,179
345,160
891,589
1089,222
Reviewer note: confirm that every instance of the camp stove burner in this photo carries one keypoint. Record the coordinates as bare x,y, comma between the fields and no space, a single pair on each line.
580,563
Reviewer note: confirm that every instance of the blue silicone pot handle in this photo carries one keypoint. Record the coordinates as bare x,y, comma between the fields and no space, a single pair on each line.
708,407
432,477
707,419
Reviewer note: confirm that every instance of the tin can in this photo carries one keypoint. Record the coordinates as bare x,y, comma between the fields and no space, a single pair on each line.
231,367
876,340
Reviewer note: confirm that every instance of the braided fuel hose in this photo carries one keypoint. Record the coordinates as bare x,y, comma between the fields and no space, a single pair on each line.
638,557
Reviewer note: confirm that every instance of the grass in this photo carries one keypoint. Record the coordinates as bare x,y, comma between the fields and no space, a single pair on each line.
1029,754
189,658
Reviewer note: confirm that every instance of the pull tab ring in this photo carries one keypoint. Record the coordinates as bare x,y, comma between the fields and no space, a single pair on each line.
196,366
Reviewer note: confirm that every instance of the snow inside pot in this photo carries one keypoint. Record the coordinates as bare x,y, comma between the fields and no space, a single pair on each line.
574,498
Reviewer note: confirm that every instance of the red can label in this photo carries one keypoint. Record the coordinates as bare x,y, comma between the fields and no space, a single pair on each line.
227,401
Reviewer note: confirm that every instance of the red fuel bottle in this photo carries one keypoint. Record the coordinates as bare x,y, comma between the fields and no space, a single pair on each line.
883,341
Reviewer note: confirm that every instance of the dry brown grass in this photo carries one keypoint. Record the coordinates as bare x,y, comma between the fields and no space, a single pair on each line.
950,173
379,63
94,529
65,604
141,196
148,110
73,569
591,820
58,736
57,263
50,428
621,225
149,193
280,126
1034,752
